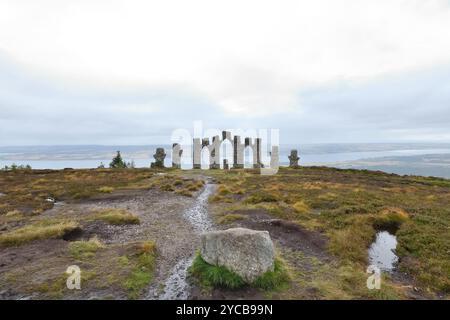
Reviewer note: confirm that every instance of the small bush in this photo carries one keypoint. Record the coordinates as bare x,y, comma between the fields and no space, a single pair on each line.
117,162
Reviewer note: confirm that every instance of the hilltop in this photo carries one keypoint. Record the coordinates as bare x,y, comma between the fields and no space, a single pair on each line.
127,230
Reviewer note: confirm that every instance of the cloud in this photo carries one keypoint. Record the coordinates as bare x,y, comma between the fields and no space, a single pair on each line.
251,55
130,72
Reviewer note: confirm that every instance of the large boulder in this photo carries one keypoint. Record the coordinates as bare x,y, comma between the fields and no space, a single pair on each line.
248,253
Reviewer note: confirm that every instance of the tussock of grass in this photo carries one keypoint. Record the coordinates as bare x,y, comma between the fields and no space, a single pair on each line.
345,282
195,185
167,187
215,198
12,216
182,186
106,189
391,218
185,193
301,207
214,276
142,273
38,231
13,213
116,216
220,277
351,243
178,182
85,249
276,279
231,217
261,197
223,190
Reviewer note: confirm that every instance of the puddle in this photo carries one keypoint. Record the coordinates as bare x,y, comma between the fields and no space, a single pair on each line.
381,252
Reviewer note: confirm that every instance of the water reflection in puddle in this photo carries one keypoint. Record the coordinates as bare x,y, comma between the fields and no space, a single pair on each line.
381,252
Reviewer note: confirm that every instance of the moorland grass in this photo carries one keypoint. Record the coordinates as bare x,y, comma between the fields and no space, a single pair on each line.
220,277
230,218
144,266
81,250
116,216
349,207
37,231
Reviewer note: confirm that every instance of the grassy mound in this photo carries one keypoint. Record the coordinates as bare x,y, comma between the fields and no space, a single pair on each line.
220,277
84,249
37,231
116,216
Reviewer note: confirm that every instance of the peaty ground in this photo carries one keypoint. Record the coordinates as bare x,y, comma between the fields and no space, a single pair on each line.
321,220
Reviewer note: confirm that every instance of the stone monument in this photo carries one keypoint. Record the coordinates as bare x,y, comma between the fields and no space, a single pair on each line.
159,156
293,159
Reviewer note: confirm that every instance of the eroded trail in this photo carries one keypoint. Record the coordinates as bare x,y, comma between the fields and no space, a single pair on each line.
176,285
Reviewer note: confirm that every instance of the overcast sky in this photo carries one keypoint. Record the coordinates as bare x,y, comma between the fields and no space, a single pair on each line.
131,72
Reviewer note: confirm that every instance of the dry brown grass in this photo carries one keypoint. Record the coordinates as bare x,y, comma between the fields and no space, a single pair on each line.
37,231
115,216
230,218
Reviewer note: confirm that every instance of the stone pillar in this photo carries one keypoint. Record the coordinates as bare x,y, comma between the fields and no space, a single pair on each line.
226,135
214,153
176,156
197,153
255,145
238,153
274,158
159,156
293,159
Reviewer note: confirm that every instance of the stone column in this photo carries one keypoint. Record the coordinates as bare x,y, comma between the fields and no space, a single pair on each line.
214,152
238,153
197,154
176,156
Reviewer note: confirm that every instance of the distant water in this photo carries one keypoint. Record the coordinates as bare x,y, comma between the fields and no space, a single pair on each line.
311,159
343,156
